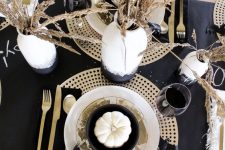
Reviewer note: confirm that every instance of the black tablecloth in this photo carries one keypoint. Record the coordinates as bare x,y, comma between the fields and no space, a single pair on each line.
20,111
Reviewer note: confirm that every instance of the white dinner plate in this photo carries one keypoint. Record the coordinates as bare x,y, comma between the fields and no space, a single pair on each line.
99,26
149,118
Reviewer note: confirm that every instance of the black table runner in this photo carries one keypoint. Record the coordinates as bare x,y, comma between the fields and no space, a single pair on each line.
20,111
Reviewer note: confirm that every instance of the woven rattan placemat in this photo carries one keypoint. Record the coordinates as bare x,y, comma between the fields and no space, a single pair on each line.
219,16
90,79
152,54
4,24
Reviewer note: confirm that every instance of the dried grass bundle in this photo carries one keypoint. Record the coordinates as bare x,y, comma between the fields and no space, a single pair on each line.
216,54
212,54
16,13
137,12
209,89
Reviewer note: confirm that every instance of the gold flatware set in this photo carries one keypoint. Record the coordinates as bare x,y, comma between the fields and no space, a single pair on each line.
180,29
46,105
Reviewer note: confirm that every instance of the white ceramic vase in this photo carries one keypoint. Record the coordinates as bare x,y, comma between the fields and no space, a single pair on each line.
40,54
192,62
121,55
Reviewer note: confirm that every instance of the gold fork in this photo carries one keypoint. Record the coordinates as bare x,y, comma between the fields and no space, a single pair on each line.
46,105
181,28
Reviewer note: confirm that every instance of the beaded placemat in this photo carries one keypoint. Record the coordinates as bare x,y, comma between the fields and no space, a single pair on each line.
92,78
219,16
152,54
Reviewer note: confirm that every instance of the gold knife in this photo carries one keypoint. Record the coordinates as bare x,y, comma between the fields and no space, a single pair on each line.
171,22
56,116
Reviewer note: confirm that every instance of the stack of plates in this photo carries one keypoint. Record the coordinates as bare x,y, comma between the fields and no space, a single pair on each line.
75,131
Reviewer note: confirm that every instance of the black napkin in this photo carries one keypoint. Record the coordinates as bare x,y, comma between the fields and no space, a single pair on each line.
164,145
200,18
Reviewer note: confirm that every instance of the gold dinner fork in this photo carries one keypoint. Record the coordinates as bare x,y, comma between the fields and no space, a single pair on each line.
46,105
181,28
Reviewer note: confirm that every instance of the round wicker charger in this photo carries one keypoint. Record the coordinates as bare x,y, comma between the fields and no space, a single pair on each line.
152,54
219,16
90,79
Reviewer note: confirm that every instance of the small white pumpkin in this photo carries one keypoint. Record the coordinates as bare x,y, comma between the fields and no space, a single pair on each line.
113,129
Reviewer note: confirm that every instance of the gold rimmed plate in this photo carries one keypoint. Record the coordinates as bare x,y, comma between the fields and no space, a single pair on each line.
75,131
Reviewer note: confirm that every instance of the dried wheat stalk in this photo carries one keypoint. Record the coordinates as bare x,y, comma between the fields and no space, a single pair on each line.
6,11
137,12
56,42
63,34
39,11
216,54
17,14
72,15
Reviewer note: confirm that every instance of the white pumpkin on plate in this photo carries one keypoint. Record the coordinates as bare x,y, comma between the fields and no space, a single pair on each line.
113,129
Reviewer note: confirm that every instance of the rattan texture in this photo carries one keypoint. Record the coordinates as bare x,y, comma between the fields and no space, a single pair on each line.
4,24
219,16
92,78
152,54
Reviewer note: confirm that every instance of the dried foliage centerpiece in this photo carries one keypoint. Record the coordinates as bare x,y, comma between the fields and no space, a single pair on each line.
125,39
137,13
35,41
16,12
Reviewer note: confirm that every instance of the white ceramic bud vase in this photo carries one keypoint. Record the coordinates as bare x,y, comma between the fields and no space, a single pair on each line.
40,54
121,55
192,62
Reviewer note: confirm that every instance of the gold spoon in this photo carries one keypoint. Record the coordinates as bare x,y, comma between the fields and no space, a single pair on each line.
68,102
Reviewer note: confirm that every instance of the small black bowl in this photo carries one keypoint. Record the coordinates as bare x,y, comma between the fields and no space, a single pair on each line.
95,144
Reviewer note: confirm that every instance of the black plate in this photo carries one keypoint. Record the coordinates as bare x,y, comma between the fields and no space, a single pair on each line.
133,138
